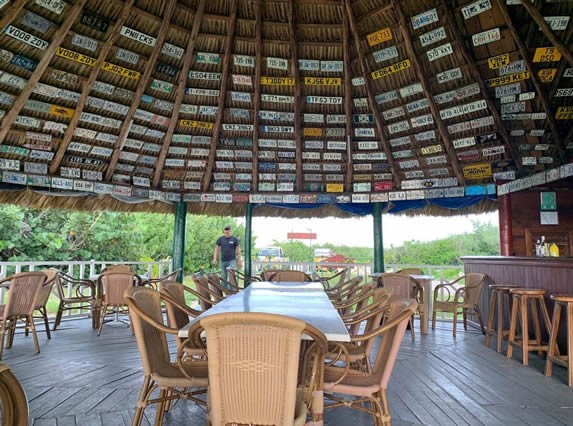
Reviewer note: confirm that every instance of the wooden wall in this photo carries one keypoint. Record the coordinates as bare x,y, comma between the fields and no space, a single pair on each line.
525,217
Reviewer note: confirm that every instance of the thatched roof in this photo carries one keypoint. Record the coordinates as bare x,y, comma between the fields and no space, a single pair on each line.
223,102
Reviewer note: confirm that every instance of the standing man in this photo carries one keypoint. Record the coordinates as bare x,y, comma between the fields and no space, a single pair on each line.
230,249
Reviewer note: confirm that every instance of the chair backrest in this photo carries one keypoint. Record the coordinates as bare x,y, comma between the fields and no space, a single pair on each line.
145,310
253,361
114,284
214,283
401,310
401,285
23,293
177,317
267,273
474,282
46,290
411,271
201,285
117,268
294,276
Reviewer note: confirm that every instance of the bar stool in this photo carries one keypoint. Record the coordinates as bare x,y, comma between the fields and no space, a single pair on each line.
499,293
522,299
566,301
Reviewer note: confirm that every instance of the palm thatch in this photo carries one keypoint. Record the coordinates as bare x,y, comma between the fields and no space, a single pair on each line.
223,102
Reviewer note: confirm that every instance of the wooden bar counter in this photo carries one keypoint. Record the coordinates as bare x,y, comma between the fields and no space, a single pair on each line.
555,274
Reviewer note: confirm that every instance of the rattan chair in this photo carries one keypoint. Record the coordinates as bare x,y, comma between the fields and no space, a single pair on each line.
290,276
254,367
155,283
117,268
13,402
178,312
235,277
220,286
22,294
42,299
267,273
111,289
75,295
172,379
207,297
368,390
404,285
410,271
450,297
332,280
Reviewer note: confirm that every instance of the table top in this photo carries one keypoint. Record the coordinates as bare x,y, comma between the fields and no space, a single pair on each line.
305,301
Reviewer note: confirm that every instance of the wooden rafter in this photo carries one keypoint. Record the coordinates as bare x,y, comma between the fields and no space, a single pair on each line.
149,68
370,90
12,11
297,94
87,86
476,76
232,23
535,80
534,13
447,142
57,40
347,95
180,95
257,86
371,13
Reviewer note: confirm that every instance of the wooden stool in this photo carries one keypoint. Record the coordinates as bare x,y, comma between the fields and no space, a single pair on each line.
553,356
497,306
522,299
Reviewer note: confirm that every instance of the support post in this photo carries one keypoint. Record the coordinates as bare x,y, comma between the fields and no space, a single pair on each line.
179,239
248,234
378,243
504,211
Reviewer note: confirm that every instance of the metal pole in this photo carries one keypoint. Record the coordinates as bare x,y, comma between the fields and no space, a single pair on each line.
378,243
179,239
248,234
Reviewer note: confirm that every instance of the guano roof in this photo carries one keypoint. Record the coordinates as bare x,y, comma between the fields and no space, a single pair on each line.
223,102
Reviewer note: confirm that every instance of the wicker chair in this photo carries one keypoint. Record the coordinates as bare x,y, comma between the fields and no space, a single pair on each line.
220,286
117,268
111,288
254,366
24,289
42,299
235,277
155,283
290,276
331,281
82,295
370,387
172,379
178,313
267,273
410,271
459,299
12,399
404,285
207,297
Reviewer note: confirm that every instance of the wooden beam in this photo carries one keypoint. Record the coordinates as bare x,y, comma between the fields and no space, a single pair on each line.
347,96
87,86
370,90
257,86
534,13
12,11
180,95
222,95
380,9
297,95
150,67
476,76
535,80
57,40
447,142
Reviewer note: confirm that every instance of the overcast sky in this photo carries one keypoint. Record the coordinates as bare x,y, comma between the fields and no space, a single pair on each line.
358,231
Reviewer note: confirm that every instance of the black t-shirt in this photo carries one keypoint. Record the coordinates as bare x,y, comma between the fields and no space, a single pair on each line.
228,247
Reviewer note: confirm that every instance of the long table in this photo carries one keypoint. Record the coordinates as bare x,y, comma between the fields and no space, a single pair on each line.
305,301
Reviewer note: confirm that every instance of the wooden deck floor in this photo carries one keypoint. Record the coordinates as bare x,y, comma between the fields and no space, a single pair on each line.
82,379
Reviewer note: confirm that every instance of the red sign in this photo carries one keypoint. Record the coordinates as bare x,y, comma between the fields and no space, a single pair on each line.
385,185
301,236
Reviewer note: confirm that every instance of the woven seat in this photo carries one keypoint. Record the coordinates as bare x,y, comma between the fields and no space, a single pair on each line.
23,292
459,299
253,369
369,389
174,380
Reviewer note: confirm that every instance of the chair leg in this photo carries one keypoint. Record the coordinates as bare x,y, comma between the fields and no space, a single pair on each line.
455,321
2,334
11,333
59,315
553,340
465,317
101,318
46,323
32,326
384,419
478,313
411,322
433,319
161,407
536,324
141,402
512,327
524,330
490,318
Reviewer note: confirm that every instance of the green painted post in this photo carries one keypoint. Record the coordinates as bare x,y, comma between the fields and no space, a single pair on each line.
378,243
248,235
179,239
